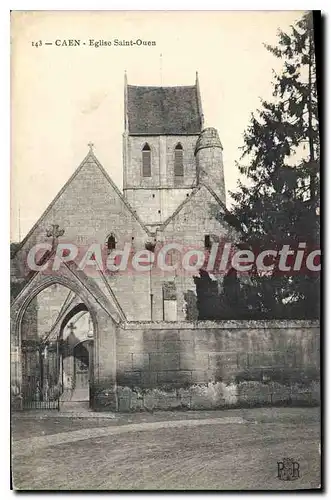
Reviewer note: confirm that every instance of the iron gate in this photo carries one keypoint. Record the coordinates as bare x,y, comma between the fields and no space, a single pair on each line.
41,375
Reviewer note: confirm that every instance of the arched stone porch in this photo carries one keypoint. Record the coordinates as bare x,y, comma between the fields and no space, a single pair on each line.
105,320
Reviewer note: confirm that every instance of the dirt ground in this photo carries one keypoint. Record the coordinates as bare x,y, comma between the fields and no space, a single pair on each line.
225,450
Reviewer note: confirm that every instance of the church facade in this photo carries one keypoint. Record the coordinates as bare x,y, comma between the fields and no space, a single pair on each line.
173,181
83,334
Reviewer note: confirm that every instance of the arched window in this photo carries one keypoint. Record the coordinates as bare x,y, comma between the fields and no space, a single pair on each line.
179,169
111,243
146,159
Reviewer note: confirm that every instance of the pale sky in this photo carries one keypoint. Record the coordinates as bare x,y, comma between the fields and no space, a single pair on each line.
64,97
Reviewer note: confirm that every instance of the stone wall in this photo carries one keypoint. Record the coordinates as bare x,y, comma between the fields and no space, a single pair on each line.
217,364
155,205
156,197
162,151
43,311
89,209
211,170
190,232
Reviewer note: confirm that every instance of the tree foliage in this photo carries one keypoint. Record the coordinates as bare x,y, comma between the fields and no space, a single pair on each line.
277,197
278,202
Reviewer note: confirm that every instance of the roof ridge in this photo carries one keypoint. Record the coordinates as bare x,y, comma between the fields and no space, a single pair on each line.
193,193
90,156
57,196
212,192
120,194
180,206
226,210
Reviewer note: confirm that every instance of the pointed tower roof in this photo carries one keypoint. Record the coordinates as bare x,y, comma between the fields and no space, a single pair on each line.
208,138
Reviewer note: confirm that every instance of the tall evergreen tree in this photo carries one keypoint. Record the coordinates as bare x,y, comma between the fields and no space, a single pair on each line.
279,201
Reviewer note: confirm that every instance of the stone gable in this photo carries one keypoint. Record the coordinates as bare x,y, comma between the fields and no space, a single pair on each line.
89,207
196,217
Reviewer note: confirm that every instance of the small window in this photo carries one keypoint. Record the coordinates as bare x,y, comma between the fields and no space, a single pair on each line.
111,243
150,246
207,241
146,160
179,169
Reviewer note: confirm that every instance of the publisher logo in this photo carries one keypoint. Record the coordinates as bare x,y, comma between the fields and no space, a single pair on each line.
288,470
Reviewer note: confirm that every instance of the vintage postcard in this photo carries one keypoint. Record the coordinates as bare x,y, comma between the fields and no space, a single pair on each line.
165,252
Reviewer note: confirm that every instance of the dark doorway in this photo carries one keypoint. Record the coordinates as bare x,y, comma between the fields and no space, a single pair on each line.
82,370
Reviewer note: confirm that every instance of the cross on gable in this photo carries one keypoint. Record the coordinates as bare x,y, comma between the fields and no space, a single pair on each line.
55,232
72,327
91,146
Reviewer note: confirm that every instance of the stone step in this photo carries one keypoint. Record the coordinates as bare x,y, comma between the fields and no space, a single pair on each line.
75,395
74,406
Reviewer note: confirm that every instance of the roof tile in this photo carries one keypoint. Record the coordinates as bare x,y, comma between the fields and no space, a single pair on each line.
163,110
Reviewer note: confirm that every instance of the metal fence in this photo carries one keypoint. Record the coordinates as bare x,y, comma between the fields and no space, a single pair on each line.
41,376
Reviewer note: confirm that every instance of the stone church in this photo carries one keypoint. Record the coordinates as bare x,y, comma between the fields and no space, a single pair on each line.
96,337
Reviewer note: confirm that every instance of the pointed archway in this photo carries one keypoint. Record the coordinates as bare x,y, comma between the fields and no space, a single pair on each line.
76,338
54,322
104,318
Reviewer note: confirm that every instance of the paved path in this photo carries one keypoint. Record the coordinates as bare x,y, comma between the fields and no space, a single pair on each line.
28,446
215,450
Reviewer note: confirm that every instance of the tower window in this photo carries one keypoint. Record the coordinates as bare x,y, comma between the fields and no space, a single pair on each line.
179,169
111,243
146,160
207,241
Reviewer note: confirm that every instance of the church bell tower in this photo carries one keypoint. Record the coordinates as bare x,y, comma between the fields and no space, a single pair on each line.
161,128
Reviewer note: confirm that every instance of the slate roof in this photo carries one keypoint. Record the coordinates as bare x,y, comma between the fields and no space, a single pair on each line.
163,110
